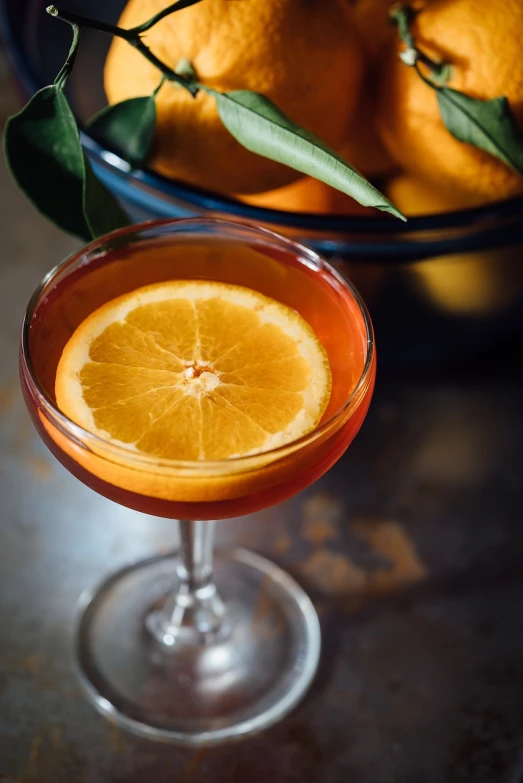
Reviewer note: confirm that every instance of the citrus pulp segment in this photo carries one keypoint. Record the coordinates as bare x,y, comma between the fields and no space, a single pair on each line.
194,370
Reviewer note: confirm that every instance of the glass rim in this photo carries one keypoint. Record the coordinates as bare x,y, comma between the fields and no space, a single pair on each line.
86,438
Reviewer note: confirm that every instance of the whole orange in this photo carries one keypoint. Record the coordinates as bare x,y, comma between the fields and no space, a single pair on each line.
481,41
304,55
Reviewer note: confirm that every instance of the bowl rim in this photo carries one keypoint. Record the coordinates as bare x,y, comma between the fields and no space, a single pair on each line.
381,224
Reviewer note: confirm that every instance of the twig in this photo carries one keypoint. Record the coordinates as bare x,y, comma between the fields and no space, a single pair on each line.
132,38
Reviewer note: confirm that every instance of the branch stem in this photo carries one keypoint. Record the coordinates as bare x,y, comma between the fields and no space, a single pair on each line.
402,16
131,36
83,21
142,28
67,67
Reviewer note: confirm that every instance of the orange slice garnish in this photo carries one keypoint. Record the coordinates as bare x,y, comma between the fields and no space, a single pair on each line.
194,370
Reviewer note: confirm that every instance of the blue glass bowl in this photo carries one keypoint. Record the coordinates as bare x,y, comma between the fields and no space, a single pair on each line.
440,288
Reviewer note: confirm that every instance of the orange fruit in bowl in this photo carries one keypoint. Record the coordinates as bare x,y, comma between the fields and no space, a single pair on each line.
415,196
373,23
304,56
308,195
363,148
481,41
466,285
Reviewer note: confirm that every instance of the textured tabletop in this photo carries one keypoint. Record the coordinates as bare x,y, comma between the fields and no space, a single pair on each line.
411,547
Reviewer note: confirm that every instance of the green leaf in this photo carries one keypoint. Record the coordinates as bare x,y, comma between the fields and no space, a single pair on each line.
41,150
44,154
488,125
262,128
128,127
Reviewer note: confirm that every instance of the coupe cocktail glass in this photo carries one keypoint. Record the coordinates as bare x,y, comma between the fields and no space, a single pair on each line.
186,647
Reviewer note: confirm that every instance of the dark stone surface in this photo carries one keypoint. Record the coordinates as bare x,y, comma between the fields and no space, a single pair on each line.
411,547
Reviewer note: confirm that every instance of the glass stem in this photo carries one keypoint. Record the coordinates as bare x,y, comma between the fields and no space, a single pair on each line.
194,611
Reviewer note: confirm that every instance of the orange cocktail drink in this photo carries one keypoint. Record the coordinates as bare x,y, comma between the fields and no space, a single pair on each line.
215,491
197,370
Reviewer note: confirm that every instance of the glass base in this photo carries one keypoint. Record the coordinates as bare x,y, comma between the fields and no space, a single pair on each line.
193,690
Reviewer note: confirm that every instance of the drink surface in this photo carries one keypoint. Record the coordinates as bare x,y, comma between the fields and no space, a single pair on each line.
325,304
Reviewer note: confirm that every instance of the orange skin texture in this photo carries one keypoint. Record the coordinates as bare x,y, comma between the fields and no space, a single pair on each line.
480,39
302,54
363,148
309,195
371,18
414,196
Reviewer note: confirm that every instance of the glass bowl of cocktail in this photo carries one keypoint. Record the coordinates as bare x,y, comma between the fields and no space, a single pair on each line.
197,370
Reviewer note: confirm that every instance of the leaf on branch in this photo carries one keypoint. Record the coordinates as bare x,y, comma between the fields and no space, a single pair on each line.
128,127
488,125
44,154
263,128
